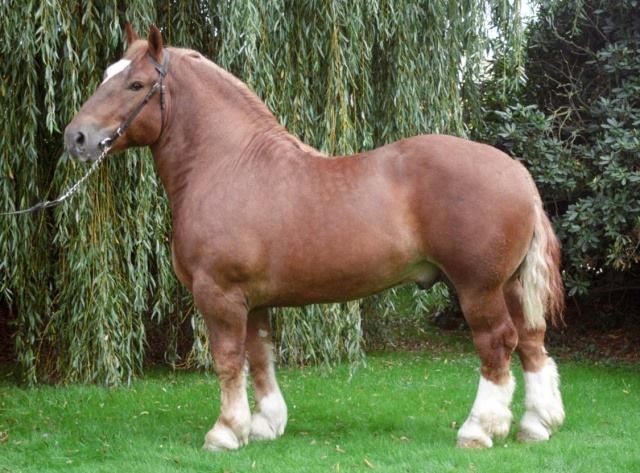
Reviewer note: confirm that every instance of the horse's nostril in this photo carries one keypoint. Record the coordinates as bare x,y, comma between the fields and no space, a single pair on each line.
80,138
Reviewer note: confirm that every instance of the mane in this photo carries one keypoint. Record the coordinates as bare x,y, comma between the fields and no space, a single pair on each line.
246,98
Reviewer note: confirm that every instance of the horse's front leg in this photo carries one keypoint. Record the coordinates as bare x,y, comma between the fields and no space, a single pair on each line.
270,416
225,314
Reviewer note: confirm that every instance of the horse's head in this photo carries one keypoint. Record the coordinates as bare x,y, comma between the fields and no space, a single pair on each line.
127,108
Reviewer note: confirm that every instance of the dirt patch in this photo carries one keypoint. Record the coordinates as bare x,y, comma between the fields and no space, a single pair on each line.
617,345
449,333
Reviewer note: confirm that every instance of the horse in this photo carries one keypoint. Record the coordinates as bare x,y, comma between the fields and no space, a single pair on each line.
262,220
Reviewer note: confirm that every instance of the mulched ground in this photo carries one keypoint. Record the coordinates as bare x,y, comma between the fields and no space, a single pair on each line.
573,342
619,345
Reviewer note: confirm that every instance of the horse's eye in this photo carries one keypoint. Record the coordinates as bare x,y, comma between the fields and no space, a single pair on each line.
136,86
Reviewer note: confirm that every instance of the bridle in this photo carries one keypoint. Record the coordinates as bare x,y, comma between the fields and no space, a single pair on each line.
157,86
106,144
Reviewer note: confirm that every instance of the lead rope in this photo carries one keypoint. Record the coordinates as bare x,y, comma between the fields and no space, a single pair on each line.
72,190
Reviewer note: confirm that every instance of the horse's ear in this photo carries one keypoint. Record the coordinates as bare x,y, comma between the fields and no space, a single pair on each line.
131,34
155,43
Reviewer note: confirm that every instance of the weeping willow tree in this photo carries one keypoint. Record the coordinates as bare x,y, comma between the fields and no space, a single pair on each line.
90,280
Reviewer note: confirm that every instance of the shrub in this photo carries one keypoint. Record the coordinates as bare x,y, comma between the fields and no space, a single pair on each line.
575,124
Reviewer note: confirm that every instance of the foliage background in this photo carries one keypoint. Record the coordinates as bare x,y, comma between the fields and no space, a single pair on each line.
575,120
88,287
89,284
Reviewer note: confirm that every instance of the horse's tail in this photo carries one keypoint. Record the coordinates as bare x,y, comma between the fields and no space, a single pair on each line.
543,295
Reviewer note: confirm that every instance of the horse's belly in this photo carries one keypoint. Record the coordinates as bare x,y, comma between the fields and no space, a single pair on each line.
342,286
334,270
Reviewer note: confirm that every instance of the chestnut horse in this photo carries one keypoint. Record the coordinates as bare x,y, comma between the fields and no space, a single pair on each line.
262,220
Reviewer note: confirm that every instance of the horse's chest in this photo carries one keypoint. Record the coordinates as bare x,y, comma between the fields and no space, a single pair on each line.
225,255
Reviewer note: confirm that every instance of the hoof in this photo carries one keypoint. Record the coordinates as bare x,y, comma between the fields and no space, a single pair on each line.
497,424
269,421
261,428
532,430
476,443
222,438
545,411
537,426
490,416
472,435
478,431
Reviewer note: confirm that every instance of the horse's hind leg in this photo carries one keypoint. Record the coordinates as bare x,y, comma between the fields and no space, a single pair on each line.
495,338
225,314
270,416
543,402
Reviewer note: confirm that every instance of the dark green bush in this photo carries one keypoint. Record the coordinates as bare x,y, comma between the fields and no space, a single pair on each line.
575,124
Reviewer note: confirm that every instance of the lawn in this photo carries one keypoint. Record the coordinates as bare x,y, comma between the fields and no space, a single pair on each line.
397,414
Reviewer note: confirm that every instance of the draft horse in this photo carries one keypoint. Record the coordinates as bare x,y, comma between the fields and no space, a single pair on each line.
262,220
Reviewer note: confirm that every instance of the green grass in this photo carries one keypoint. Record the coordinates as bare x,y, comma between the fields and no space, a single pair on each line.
398,414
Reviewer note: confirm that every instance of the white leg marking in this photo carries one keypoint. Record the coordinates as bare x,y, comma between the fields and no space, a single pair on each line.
270,417
544,406
490,415
115,68
234,432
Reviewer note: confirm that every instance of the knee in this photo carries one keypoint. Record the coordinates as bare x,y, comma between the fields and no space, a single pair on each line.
228,351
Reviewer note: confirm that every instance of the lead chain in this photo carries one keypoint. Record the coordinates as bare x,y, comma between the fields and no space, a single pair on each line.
72,190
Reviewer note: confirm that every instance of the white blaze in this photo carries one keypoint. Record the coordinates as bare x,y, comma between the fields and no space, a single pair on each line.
115,68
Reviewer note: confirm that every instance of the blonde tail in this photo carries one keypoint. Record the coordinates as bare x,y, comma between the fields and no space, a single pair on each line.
543,295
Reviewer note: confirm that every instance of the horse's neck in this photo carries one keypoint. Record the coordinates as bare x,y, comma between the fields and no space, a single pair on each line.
214,123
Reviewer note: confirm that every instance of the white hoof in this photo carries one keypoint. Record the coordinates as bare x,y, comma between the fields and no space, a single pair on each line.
270,418
498,423
532,430
480,428
222,438
490,415
543,401
261,428
472,435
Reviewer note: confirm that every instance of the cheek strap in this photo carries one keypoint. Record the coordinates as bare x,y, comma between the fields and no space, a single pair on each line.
157,86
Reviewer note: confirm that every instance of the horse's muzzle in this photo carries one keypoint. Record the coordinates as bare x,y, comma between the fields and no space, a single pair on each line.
85,143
